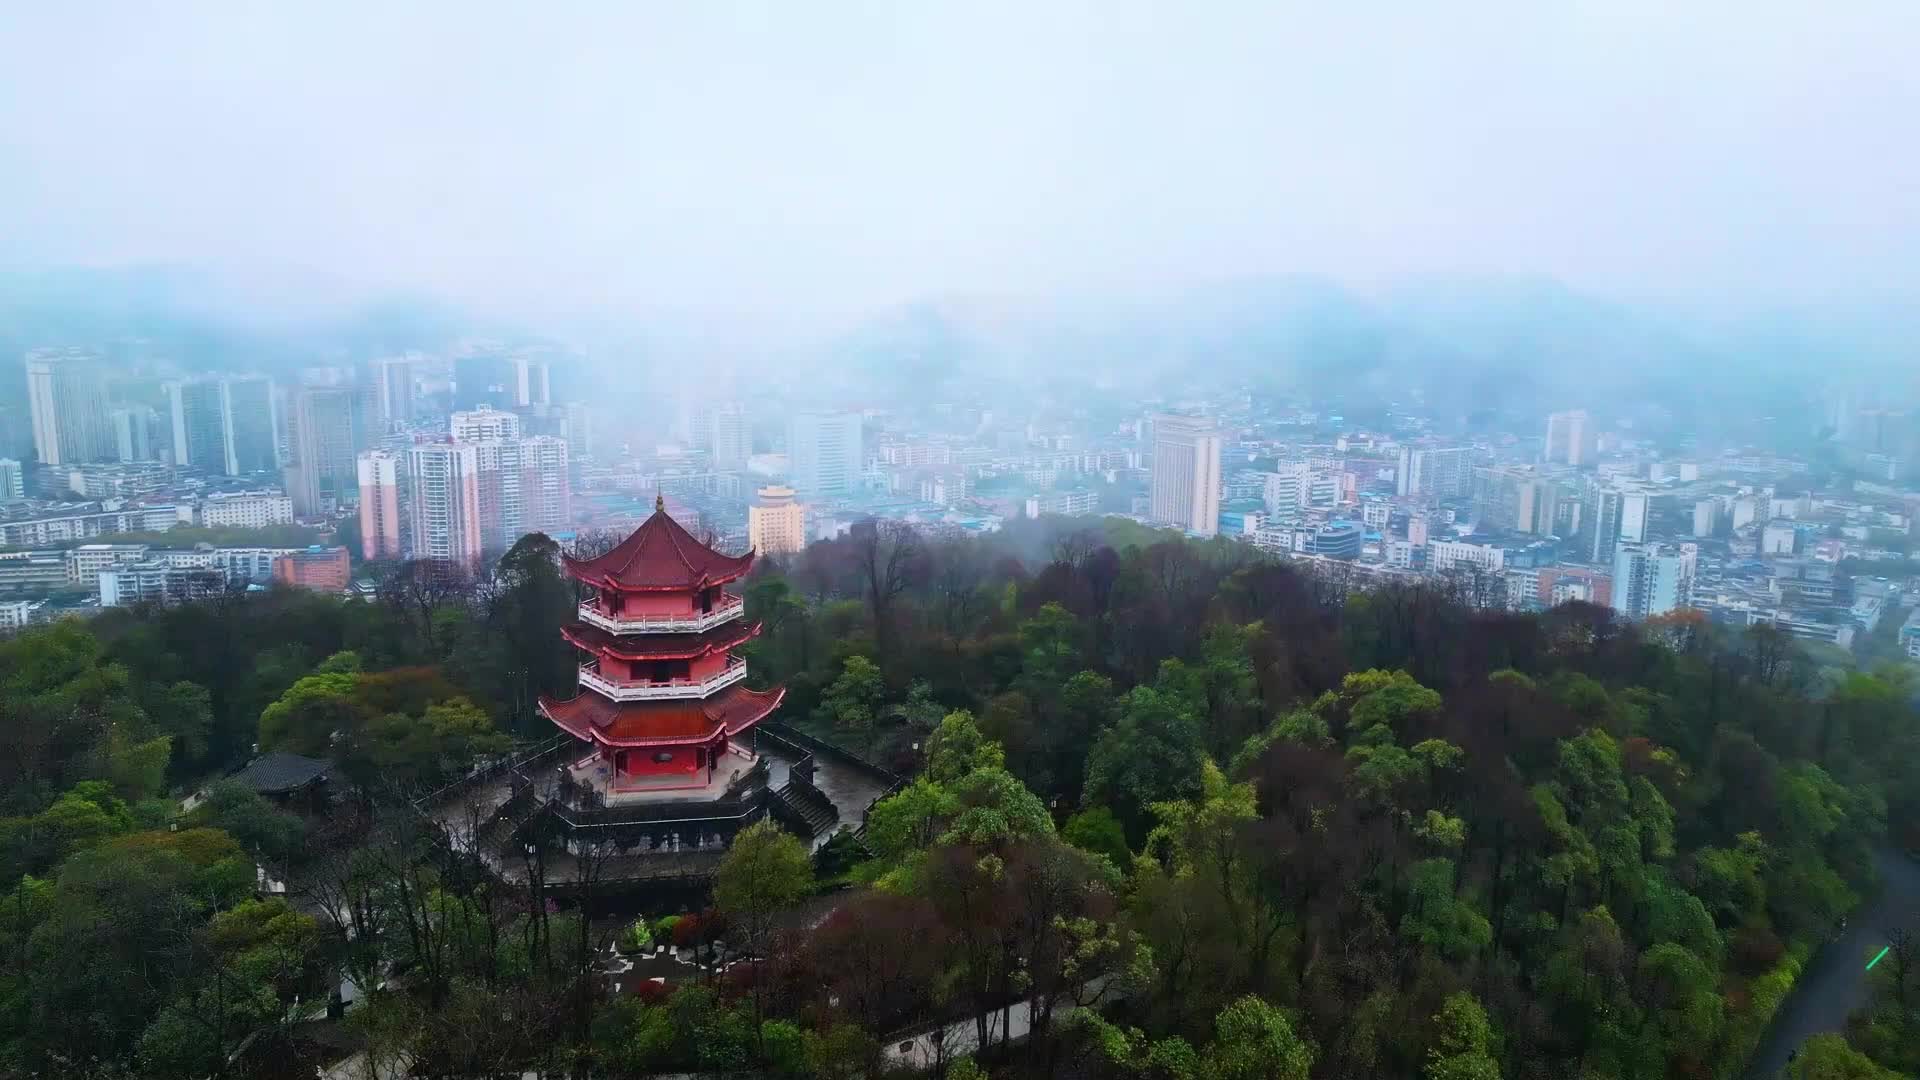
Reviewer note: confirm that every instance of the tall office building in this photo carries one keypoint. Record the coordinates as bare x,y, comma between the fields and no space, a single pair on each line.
379,474
13,480
199,425
1570,438
443,487
776,522
485,376
824,455
532,380
476,425
326,444
67,395
135,433
253,428
1186,473
393,379
1652,579
225,424
1437,472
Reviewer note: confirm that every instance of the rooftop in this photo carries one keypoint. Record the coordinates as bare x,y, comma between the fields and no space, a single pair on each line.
659,555
277,773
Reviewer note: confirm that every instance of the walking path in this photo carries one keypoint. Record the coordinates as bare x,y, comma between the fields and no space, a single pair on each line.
1835,981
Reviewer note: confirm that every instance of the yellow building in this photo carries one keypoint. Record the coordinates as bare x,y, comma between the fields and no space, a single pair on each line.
776,524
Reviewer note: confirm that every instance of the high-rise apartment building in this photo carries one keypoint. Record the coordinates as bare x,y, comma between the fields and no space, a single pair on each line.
253,425
326,444
1437,472
1570,438
379,475
824,454
478,425
576,420
1600,531
67,395
1288,490
443,487
1186,473
1634,509
1706,517
1652,579
393,381
135,433
199,425
777,522
723,432
522,488
13,480
224,425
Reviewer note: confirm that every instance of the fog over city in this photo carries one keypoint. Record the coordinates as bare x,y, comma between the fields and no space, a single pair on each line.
951,540
813,164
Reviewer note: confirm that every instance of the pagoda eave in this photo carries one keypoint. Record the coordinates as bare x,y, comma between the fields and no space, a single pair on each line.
618,725
613,585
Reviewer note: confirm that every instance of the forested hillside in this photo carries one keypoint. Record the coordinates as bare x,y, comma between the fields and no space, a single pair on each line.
1187,811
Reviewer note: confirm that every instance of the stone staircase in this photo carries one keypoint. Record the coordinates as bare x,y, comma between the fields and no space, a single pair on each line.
803,807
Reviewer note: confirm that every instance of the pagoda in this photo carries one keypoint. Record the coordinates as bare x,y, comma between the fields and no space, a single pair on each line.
662,701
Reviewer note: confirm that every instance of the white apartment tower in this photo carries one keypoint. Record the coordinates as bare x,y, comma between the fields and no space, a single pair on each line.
1186,473
1653,579
443,482
478,425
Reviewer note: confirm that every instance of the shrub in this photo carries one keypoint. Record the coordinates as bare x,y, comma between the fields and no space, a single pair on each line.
636,938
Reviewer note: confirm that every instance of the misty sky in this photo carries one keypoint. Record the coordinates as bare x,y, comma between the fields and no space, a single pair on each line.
832,157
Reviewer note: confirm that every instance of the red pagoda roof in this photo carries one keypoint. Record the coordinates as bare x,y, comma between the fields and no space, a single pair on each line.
662,723
659,555
729,635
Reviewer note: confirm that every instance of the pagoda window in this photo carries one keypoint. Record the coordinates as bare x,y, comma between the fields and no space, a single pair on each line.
706,600
614,604
666,671
663,757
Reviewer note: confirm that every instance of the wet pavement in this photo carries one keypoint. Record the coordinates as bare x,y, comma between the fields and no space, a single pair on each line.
1835,981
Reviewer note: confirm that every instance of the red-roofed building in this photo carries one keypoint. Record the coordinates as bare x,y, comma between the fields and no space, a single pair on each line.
663,706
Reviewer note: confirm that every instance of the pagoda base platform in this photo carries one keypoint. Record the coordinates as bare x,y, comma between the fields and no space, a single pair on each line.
596,772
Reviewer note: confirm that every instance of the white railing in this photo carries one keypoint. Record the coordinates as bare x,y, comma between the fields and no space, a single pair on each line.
591,679
728,607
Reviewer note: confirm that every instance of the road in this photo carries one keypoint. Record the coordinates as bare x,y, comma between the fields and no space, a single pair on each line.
923,1051
1835,981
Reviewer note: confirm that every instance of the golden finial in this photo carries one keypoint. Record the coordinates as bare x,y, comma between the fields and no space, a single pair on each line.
659,503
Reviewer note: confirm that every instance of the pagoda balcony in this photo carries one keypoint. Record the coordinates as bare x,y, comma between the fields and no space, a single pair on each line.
640,690
726,607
